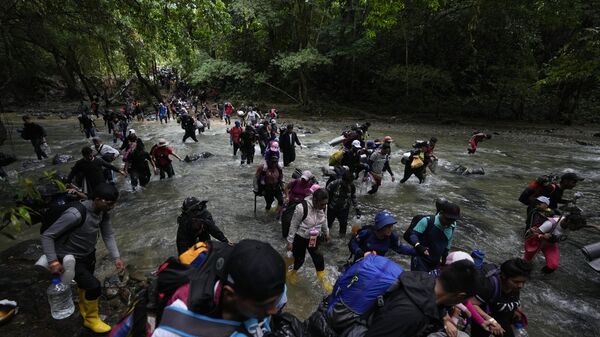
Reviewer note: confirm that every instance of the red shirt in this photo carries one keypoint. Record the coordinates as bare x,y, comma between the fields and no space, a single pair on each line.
235,133
161,155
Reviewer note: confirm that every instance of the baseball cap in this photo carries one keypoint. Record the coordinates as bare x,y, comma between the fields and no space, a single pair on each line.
451,211
255,270
571,176
307,175
131,131
356,144
543,200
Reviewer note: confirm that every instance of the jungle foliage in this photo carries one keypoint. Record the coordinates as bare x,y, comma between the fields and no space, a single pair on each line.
536,59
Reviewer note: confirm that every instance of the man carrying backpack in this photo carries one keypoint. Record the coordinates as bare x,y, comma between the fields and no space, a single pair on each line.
234,292
288,141
432,238
108,154
379,163
417,306
89,170
36,134
196,224
497,297
189,125
379,238
342,194
75,233
160,153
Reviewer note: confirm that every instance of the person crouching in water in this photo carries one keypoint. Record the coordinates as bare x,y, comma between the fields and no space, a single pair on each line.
546,238
268,182
379,238
306,233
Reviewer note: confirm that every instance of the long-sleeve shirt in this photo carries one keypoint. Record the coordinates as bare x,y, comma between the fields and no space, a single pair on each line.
378,163
314,219
366,240
341,195
33,131
81,241
91,170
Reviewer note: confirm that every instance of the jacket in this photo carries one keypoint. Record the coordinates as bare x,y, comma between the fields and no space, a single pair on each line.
196,226
409,310
341,195
314,219
287,144
81,241
436,238
366,240
33,131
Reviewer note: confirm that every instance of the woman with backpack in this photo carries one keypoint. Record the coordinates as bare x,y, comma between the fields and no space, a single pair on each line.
308,228
379,238
546,236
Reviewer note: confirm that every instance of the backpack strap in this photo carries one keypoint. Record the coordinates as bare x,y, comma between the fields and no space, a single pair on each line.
304,209
187,323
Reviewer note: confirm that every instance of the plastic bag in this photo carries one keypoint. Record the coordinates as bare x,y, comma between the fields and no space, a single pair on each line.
416,163
46,149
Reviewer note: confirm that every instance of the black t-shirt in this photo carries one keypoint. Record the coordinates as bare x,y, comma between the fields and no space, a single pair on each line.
86,122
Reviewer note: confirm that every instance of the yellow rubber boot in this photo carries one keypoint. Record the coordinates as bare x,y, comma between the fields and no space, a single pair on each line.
91,320
81,300
322,276
292,276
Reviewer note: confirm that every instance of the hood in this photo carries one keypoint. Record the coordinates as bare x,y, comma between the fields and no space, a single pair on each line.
419,287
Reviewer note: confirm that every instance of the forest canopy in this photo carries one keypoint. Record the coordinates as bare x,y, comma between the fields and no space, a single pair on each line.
493,59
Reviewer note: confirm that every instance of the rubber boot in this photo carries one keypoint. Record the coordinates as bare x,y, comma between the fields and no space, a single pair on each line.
322,276
292,276
91,318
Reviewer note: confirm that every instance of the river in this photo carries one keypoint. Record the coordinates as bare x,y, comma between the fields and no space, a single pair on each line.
562,304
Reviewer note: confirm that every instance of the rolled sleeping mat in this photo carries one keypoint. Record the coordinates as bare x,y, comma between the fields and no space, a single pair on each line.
595,264
591,251
336,140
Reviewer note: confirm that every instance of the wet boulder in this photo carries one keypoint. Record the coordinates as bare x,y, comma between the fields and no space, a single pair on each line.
61,159
465,171
6,159
580,142
196,156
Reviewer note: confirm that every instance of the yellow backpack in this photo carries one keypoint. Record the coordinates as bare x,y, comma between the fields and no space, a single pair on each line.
336,157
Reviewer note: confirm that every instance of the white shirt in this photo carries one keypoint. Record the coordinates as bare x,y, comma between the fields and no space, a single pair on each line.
547,226
107,149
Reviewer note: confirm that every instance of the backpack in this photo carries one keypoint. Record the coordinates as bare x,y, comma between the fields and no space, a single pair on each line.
413,223
336,157
361,289
536,187
490,271
288,213
56,210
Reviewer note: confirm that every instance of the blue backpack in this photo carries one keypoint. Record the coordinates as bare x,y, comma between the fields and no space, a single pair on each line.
361,289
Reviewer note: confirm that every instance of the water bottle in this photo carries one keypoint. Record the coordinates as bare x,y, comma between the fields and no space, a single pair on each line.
520,330
61,301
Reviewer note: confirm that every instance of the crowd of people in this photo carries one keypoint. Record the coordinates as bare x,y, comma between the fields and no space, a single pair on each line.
221,288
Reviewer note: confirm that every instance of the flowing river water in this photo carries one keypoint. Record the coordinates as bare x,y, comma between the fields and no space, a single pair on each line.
565,303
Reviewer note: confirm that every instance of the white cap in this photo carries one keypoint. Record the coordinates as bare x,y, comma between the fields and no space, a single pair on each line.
543,200
458,256
131,131
307,175
356,144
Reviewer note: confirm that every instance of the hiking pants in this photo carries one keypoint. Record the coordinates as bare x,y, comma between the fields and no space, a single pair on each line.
143,178
37,147
89,132
166,170
408,172
84,276
190,133
271,193
163,118
236,147
550,250
289,156
341,215
299,248
248,154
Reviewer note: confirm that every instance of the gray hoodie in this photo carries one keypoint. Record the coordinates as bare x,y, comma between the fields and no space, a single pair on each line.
81,241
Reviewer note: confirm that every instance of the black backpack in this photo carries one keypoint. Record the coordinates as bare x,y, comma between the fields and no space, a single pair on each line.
55,211
413,223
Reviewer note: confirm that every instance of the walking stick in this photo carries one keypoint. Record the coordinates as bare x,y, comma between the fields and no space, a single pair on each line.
255,195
